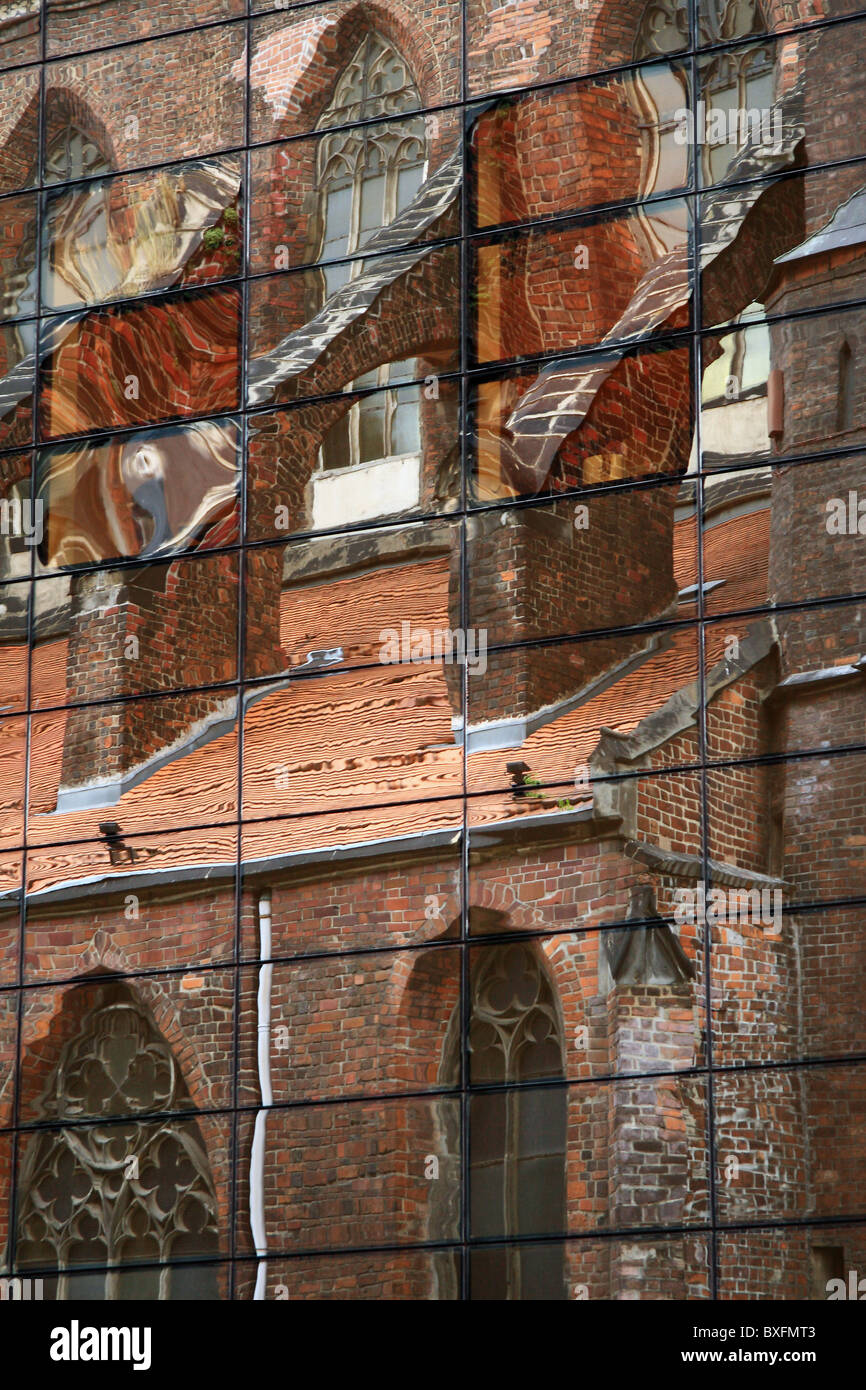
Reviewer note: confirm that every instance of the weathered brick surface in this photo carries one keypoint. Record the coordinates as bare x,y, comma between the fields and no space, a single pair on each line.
367,981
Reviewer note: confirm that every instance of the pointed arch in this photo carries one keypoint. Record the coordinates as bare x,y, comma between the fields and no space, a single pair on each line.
120,1175
664,24
517,1133
366,176
77,142
299,91
737,80
376,81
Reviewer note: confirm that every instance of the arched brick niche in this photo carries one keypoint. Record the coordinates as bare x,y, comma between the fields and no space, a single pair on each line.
297,61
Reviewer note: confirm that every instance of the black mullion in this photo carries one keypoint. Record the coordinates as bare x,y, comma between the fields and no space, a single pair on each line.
234,1161
18,1067
465,329
246,413
696,359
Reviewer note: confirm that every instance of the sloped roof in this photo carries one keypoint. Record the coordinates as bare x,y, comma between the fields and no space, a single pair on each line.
847,227
360,748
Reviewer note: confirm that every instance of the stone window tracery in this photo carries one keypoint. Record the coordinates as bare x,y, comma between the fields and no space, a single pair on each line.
518,1135
114,1189
74,155
366,176
740,80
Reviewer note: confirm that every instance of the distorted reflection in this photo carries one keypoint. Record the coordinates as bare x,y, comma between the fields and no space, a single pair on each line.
144,494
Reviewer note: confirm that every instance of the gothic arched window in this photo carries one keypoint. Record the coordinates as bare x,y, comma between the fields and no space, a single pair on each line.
740,80
115,1190
366,176
517,1138
70,154
73,155
659,92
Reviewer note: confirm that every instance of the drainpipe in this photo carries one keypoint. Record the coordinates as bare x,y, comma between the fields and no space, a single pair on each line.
257,1155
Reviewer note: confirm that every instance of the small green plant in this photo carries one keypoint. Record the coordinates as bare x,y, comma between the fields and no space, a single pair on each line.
224,237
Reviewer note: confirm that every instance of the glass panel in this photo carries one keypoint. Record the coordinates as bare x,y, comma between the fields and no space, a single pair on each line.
337,223
123,237
93,364
307,193
518,1190
142,83
372,202
193,1282
138,1284
399,1274
18,258
750,121
319,915
103,1193
820,557
289,451
301,346
545,709
783,386
362,76
371,428
336,446
719,20
117,20
581,422
114,1060
645,284
406,421
13,734
153,600
637,111
829,1017
748,1106
312,1054
647,533
639,1268
148,493
20,37
366,1188
507,47
811,1262
782,803
100,785
392,757
410,180
137,877
818,643
17,364
19,156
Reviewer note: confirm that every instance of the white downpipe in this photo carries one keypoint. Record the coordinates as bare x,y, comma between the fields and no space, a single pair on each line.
257,1155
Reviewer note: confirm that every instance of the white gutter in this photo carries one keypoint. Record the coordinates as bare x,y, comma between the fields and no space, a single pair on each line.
257,1154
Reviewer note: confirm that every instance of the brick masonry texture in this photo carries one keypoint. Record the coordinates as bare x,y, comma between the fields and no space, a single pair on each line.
368,1011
